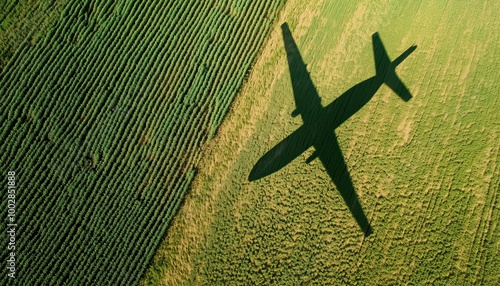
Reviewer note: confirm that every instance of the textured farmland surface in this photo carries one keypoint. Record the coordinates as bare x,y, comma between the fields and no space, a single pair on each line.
102,121
25,20
426,171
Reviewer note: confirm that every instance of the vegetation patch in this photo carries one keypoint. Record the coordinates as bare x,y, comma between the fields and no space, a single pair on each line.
103,120
426,171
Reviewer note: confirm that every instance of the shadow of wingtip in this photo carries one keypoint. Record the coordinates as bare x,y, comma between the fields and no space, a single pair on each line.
368,231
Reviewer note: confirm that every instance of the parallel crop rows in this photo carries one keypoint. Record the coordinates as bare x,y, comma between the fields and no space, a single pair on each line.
103,121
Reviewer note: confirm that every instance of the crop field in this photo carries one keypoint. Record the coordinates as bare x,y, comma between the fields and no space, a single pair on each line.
426,171
105,107
25,20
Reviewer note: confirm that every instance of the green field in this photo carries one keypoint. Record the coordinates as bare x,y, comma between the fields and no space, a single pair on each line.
25,20
105,107
133,128
426,171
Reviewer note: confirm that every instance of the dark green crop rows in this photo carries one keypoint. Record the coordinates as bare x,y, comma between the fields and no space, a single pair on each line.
103,120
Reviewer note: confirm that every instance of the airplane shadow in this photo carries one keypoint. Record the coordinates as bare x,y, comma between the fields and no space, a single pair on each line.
318,130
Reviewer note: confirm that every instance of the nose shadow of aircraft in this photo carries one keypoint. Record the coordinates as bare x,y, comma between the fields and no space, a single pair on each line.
320,122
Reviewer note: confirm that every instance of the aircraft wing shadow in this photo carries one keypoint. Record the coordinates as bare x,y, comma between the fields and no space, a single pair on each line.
330,155
307,100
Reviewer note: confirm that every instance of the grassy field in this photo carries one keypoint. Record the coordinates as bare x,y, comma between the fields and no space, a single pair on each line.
104,113
426,171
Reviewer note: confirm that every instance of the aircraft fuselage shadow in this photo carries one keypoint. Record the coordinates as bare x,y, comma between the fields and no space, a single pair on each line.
320,122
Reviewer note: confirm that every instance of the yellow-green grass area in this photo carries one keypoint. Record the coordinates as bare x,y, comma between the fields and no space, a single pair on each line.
426,171
25,20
